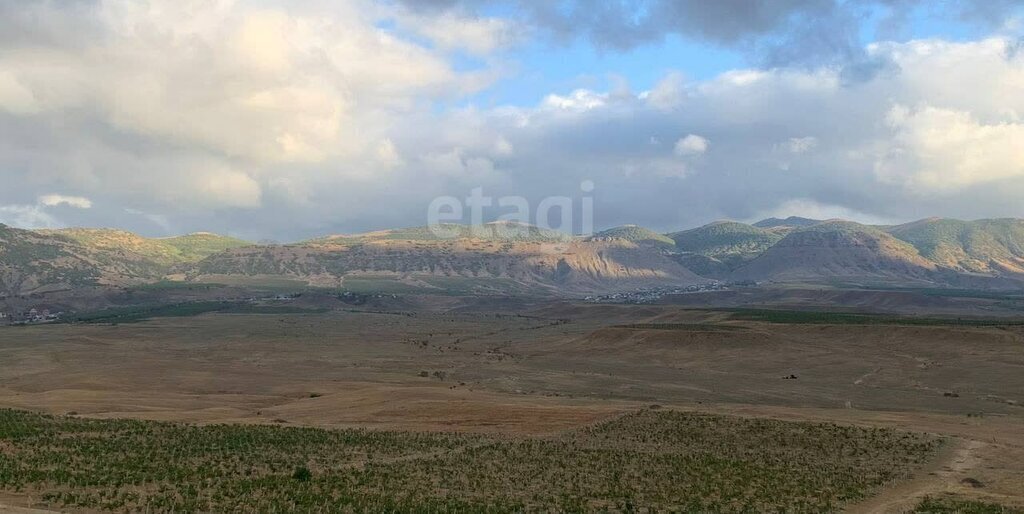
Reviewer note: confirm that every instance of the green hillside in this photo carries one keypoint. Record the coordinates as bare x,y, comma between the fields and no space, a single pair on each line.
723,238
978,246
49,260
30,261
200,245
636,234
717,248
160,252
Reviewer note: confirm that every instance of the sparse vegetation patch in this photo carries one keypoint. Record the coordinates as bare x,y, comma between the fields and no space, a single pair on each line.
847,318
955,505
656,460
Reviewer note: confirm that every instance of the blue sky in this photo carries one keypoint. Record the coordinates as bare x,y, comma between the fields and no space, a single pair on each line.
541,67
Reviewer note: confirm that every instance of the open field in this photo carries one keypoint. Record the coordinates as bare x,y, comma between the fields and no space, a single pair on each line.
648,460
526,370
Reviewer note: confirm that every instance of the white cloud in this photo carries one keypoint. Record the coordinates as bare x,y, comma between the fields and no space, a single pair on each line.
228,188
455,31
692,144
668,93
387,154
53,200
579,100
14,96
27,216
455,163
808,208
36,216
503,147
259,84
944,150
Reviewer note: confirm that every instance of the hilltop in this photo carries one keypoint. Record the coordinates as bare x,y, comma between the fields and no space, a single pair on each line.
635,234
840,250
725,239
166,251
790,222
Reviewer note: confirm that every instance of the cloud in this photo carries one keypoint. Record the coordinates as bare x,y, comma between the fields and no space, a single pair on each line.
347,117
37,216
782,137
579,100
27,216
71,201
807,208
457,31
228,188
944,150
773,32
691,145
259,84
186,107
668,93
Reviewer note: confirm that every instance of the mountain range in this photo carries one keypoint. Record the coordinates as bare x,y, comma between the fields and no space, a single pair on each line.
511,257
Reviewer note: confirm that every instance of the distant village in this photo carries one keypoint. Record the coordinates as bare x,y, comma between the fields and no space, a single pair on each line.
652,295
31,316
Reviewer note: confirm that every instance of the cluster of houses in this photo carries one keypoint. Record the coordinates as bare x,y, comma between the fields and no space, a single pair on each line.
653,295
30,316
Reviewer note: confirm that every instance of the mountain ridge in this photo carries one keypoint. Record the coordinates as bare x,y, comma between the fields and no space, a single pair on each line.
932,250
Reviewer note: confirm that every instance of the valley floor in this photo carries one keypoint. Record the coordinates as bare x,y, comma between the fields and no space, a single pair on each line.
487,369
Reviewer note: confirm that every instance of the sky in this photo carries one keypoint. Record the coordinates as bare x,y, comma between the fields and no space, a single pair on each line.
277,120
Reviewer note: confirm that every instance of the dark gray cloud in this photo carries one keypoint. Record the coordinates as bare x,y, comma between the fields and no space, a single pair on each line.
771,32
